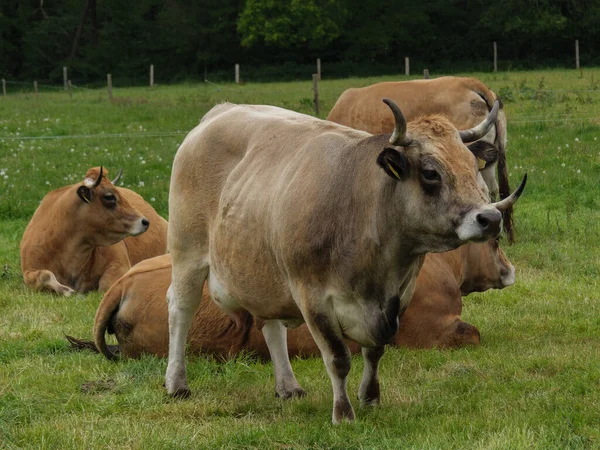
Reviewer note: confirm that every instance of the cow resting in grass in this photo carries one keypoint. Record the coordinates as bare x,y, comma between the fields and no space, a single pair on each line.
135,310
86,236
464,101
295,219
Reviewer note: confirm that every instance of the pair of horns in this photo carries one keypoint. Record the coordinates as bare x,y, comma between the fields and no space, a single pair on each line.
401,138
115,181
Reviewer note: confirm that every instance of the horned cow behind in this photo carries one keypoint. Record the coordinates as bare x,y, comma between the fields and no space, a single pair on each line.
296,219
135,310
464,101
86,236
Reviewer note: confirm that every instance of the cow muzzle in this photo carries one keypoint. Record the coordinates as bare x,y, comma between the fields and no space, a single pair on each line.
508,276
140,226
480,224
486,221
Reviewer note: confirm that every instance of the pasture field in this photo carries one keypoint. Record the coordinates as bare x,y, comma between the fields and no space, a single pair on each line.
533,383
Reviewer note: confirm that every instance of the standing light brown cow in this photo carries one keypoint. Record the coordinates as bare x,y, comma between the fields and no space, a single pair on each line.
135,310
464,101
295,219
81,237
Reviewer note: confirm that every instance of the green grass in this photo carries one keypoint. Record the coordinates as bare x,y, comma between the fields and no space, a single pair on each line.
533,382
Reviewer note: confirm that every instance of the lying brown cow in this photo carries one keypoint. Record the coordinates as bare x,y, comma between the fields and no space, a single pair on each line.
81,237
135,309
464,101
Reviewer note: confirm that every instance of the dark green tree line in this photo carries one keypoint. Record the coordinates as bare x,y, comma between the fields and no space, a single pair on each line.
279,39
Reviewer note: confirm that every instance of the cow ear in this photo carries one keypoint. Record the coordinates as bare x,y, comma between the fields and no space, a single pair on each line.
85,193
394,163
484,152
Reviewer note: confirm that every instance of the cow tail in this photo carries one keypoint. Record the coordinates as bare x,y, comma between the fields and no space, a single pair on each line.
107,309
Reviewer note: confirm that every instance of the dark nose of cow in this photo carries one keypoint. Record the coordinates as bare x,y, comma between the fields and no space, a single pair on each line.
490,221
145,223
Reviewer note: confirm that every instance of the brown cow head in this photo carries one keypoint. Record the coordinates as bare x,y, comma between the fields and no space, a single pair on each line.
104,210
444,197
486,267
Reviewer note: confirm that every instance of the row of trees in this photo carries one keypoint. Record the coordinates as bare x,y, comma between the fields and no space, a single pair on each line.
282,38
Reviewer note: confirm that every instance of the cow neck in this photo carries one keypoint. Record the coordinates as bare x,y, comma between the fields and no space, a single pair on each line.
395,246
457,259
73,240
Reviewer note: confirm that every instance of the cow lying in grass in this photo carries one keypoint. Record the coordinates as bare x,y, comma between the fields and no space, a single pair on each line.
86,236
135,310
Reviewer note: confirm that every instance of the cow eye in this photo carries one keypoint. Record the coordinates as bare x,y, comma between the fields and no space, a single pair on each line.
431,175
110,198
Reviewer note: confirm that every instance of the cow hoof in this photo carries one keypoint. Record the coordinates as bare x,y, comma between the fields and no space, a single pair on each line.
181,393
342,411
372,402
298,392
67,291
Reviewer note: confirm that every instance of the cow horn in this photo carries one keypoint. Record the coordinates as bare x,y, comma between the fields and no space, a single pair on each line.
116,180
400,136
503,205
481,130
99,180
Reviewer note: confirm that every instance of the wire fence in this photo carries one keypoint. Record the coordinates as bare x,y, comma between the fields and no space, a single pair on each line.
539,94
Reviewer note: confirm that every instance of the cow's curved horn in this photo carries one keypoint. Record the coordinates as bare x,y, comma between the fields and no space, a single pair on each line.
399,136
116,180
481,130
503,205
99,180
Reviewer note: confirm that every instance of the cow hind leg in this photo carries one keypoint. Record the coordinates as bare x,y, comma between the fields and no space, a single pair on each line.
286,385
184,296
44,279
336,356
368,392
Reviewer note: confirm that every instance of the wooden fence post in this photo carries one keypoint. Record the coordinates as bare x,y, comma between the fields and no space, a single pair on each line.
237,74
495,57
151,75
35,88
577,53
426,74
70,86
316,91
109,81
3,87
406,66
319,68
65,77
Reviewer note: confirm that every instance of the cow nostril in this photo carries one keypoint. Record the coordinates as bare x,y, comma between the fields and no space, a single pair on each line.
489,220
483,221
146,222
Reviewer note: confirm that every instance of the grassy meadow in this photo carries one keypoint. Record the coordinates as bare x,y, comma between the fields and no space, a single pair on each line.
532,383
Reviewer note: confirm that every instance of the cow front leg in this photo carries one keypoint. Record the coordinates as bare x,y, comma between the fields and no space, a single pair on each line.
44,279
328,336
184,296
368,392
286,385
